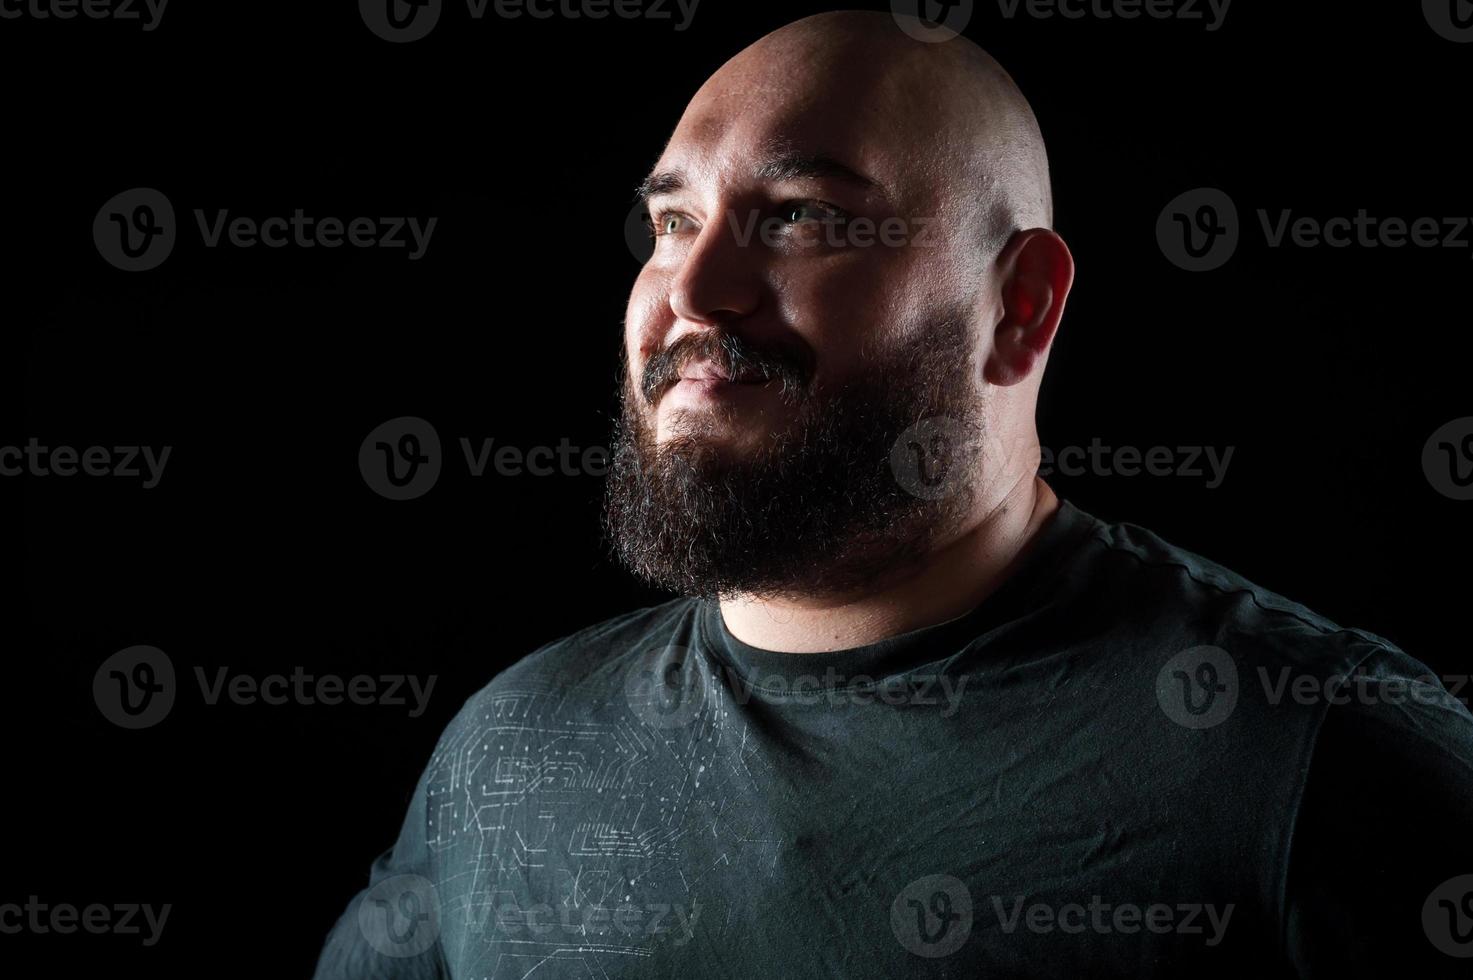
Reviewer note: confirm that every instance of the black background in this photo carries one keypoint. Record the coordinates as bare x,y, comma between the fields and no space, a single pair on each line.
263,549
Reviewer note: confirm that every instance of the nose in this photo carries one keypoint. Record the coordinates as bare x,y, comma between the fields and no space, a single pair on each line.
719,277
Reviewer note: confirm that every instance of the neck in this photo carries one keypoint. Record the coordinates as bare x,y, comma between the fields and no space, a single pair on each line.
951,580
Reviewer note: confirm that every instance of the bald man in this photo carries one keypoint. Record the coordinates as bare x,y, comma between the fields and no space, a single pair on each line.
912,715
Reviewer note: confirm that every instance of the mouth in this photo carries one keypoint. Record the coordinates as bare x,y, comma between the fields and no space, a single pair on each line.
703,383
706,373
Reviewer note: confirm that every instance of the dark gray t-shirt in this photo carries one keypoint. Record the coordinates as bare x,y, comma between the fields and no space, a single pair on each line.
1126,762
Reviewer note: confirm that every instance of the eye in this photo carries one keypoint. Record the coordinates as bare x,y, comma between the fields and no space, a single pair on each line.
798,212
666,223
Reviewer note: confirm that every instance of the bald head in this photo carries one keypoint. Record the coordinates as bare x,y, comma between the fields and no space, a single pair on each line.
946,111
850,240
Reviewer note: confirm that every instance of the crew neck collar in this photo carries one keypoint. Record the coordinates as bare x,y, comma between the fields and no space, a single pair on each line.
1042,559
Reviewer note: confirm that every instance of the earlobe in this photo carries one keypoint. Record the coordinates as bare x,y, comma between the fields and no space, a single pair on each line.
1012,357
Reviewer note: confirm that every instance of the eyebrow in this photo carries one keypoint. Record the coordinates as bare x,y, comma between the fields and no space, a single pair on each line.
813,166
783,167
660,182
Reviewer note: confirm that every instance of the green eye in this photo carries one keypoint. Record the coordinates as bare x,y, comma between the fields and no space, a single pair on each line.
669,223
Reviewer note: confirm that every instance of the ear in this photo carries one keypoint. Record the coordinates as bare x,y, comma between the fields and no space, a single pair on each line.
1035,270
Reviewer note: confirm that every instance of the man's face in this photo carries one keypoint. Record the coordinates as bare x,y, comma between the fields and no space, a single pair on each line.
809,298
797,220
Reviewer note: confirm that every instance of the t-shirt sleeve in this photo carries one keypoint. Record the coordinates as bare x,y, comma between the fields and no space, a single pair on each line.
390,930
1379,880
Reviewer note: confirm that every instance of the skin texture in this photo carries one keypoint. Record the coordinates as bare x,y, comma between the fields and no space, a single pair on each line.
952,153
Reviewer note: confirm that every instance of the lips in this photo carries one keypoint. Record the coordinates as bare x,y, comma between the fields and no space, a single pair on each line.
709,371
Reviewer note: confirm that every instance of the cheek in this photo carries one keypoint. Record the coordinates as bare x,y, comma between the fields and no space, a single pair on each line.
647,315
845,307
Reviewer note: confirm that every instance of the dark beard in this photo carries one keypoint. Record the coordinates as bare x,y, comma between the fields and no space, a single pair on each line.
819,510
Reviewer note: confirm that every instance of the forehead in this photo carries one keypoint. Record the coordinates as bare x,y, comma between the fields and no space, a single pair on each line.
750,113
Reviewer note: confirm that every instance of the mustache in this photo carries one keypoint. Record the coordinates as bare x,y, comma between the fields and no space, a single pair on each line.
789,364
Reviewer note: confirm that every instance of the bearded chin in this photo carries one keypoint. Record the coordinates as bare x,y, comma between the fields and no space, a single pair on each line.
818,509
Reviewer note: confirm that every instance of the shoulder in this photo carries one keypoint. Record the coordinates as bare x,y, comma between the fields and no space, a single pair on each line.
1177,598
591,661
